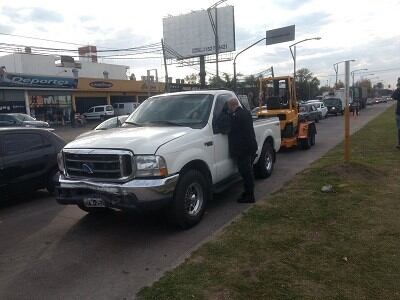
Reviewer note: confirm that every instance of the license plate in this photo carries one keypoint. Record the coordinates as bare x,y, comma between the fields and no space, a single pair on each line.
94,202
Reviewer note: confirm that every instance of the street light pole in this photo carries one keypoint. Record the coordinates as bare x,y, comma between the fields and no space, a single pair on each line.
294,57
234,60
294,51
346,109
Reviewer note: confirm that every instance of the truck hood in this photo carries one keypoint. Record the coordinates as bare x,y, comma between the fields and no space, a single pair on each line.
140,140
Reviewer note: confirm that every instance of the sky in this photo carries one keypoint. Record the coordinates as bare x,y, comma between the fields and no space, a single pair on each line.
366,31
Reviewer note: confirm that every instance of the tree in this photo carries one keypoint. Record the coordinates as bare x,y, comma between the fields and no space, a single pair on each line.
339,85
192,78
307,84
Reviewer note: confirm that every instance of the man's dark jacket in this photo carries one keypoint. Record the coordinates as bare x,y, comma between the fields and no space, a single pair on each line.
241,136
396,96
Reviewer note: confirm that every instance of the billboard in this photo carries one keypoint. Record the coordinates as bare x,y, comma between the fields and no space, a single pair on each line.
192,35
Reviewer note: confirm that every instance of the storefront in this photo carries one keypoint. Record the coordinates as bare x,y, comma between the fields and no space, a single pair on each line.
51,106
92,92
12,101
45,98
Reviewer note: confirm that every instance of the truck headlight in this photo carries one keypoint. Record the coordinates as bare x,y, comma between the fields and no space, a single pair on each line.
60,162
150,166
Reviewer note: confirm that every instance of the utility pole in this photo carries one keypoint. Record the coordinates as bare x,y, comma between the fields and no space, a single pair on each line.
214,25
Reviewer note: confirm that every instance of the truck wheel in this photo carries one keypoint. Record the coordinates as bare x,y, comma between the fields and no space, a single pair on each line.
312,139
306,143
190,198
94,210
265,164
102,117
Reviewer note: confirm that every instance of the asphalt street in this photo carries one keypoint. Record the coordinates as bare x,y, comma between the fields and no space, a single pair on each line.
49,251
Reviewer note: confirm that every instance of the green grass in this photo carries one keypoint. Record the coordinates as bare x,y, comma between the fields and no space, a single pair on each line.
300,243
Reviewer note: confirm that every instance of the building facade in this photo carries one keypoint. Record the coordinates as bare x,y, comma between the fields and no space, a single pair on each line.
45,65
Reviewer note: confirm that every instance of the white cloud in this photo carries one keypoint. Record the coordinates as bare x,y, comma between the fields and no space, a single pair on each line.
348,28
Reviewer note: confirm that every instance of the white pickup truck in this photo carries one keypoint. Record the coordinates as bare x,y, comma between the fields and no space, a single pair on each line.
168,154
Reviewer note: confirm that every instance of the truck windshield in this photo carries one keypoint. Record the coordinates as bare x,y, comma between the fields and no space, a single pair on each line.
191,110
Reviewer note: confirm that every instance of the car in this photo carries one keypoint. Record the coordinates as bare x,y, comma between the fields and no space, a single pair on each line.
170,154
320,107
100,112
309,112
334,106
107,124
125,108
370,101
20,120
28,159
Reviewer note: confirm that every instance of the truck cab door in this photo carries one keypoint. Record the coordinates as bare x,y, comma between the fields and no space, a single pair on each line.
225,165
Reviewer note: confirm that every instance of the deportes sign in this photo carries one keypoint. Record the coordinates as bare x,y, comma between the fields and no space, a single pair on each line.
32,81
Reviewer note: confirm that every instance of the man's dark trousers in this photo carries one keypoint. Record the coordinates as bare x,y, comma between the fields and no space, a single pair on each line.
245,166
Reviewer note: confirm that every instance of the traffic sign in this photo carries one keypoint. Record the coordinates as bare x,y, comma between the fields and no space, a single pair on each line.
280,35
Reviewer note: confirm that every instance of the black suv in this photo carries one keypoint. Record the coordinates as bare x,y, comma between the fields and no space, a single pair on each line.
28,159
334,106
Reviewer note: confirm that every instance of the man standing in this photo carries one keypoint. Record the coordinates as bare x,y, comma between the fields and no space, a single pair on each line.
242,146
396,96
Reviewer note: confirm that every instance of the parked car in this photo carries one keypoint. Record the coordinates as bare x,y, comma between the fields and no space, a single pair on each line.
100,112
370,101
334,106
169,154
20,120
28,159
125,108
107,124
320,107
308,111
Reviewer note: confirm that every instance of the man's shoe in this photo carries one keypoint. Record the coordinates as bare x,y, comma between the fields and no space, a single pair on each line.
246,198
398,146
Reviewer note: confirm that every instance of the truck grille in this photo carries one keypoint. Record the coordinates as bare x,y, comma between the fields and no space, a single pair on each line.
108,165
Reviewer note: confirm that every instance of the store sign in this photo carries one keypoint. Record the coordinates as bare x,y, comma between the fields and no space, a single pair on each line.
101,84
21,80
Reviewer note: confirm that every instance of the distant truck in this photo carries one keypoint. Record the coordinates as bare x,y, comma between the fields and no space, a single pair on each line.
360,95
339,94
125,108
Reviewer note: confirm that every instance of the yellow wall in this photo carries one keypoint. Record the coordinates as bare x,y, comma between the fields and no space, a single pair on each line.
125,86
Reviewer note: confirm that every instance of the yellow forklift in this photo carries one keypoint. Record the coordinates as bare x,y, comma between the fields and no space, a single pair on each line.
278,99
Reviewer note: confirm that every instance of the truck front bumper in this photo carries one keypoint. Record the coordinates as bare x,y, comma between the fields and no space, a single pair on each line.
137,193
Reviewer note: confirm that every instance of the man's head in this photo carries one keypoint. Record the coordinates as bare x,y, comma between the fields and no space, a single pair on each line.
233,104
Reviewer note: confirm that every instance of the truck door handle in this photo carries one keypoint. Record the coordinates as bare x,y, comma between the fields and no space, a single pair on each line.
208,144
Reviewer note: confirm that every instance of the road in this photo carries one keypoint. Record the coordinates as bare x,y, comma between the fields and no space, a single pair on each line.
48,251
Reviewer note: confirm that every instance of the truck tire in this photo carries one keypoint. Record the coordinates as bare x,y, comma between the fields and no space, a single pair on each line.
307,143
265,164
190,199
312,137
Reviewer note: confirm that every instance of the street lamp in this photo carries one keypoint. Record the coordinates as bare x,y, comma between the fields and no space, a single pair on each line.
294,53
336,67
234,60
354,71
